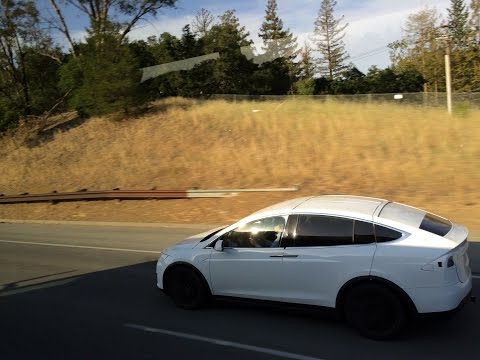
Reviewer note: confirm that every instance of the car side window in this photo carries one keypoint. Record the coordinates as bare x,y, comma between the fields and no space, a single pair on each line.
384,234
319,230
363,232
263,233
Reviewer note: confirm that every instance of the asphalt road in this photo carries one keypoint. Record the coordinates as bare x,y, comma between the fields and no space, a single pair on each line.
84,292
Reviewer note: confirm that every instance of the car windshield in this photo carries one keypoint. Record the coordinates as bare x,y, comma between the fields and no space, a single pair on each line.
417,218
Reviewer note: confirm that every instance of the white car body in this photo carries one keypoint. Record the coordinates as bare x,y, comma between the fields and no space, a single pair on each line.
418,264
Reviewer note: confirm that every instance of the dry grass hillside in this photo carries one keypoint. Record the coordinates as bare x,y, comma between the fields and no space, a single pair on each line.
420,156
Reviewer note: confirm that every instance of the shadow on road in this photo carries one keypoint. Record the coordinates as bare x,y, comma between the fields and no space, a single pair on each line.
86,319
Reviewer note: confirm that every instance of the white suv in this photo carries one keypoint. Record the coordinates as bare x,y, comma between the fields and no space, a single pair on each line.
375,261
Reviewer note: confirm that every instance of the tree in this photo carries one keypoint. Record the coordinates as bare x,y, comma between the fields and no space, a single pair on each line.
61,25
389,80
329,33
232,72
105,77
101,14
458,24
279,46
28,63
203,22
464,56
306,64
421,48
474,24
351,81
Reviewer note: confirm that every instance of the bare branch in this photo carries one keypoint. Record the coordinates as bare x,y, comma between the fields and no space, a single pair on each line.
64,28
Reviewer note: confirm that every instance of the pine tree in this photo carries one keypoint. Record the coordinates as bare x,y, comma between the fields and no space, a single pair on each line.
232,72
306,65
105,77
462,52
329,33
458,24
277,41
280,47
475,43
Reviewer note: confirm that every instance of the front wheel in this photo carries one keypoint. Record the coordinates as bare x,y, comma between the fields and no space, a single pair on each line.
186,288
375,311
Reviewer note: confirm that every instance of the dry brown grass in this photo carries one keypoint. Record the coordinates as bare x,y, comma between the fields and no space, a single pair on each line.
416,155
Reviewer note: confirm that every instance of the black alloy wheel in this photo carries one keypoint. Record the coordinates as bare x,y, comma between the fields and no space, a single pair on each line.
186,288
375,311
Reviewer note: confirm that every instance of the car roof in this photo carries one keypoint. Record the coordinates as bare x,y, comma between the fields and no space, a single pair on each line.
349,205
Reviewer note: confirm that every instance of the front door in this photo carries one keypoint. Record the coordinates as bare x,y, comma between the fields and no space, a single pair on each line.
250,264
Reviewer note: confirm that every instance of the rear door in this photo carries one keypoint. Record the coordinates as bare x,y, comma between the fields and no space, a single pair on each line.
322,254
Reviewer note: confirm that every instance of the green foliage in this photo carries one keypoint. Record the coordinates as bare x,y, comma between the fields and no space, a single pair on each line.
279,46
351,81
421,47
232,72
305,87
29,63
105,78
9,115
458,23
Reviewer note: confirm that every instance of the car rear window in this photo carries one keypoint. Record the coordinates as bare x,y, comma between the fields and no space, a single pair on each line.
435,224
416,218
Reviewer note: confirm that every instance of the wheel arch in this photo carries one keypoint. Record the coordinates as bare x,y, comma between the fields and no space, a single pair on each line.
180,264
375,279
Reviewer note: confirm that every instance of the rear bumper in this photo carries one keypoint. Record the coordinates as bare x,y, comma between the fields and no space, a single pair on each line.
442,299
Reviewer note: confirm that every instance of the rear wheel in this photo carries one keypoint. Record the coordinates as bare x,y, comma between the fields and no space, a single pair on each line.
186,288
375,311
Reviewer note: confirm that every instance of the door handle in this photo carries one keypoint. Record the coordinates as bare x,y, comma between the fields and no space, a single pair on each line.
290,256
276,256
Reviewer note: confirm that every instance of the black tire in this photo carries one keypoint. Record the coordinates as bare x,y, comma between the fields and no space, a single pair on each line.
375,311
186,288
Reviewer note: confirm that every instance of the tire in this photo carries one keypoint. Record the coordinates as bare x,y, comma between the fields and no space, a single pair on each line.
186,288
375,311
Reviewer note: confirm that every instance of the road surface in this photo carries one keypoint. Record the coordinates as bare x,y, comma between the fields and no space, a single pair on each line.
88,292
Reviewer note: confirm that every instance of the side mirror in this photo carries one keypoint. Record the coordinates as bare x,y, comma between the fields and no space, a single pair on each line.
219,245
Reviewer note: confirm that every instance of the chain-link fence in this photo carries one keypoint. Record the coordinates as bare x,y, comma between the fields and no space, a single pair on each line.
438,99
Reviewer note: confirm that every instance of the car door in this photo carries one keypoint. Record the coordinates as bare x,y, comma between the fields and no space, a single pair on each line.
322,254
250,262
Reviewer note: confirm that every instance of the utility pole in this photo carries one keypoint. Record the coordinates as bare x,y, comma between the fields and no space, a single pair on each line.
448,78
448,71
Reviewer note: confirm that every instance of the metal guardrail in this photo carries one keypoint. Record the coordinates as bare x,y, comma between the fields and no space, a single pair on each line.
84,194
107,195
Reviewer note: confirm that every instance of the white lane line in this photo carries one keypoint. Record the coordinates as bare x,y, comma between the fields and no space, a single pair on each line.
79,246
220,342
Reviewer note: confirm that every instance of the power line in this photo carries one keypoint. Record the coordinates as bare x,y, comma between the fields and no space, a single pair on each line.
369,53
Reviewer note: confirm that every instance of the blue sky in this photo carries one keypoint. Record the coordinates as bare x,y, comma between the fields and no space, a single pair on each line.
372,23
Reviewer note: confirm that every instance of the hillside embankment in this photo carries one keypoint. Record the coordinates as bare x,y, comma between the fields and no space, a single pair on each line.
419,156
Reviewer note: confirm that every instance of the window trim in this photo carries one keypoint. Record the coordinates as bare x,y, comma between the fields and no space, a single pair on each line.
404,233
